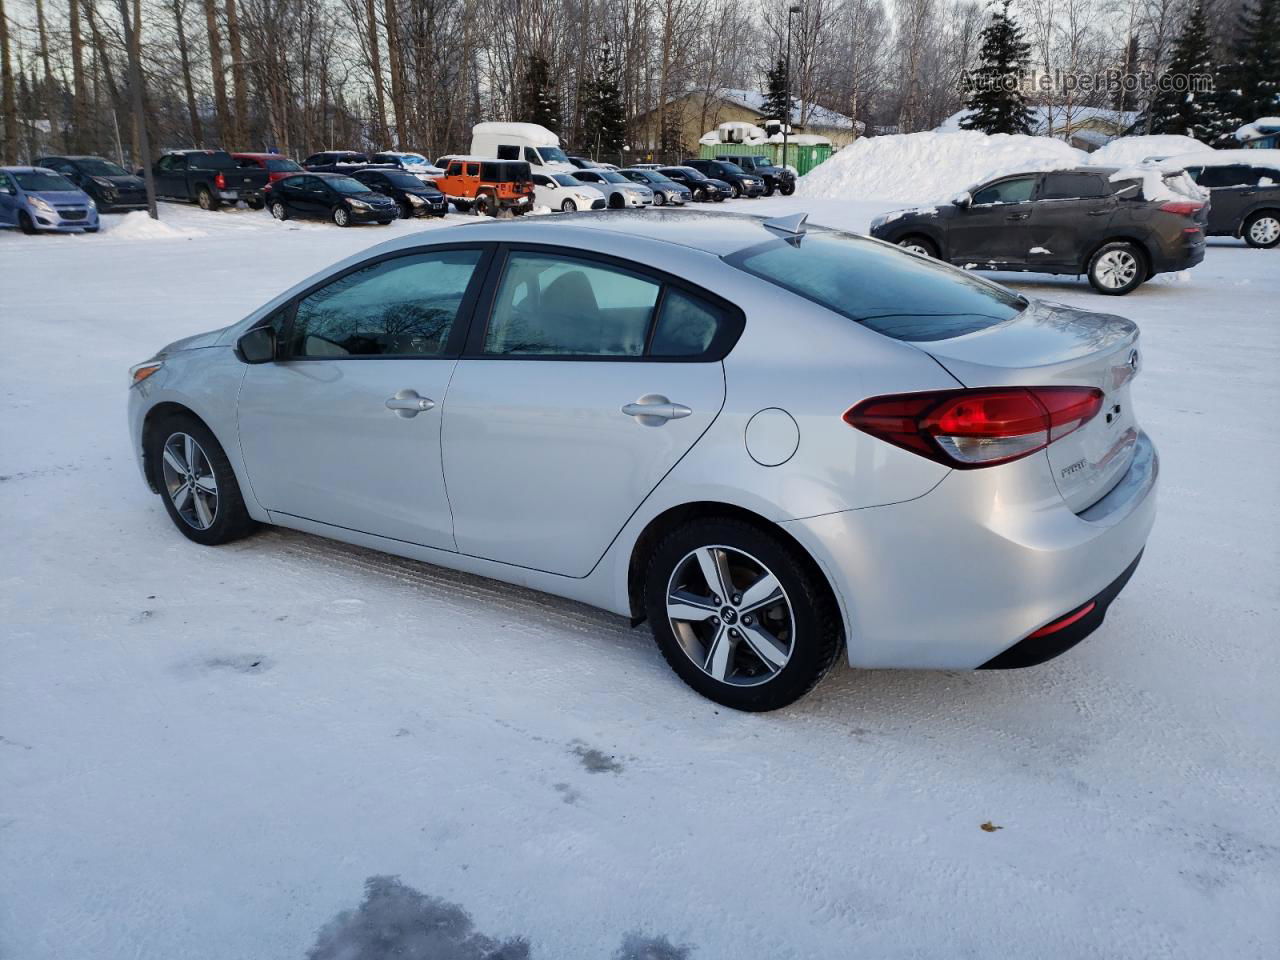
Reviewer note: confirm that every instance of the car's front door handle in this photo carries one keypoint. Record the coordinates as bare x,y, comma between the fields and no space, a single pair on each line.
653,410
407,403
1098,213
1017,216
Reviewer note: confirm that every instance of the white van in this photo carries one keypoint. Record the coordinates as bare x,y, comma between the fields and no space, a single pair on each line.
530,142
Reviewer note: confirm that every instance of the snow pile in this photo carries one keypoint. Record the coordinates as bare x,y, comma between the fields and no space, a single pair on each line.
931,166
1127,151
137,225
1160,182
1262,127
1219,158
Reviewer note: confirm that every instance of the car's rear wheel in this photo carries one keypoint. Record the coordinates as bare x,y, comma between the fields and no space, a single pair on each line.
255,204
205,199
740,614
196,481
279,210
921,246
568,206
25,223
1117,268
1263,229
341,216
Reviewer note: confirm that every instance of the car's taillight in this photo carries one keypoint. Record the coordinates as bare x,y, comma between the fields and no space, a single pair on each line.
977,428
1185,208
220,182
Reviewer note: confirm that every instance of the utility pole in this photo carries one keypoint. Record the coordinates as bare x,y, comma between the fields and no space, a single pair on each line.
139,114
786,84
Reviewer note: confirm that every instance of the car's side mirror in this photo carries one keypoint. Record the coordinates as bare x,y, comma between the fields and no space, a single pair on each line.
258,345
962,199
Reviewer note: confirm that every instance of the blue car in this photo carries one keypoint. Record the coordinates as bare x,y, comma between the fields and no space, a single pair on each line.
34,199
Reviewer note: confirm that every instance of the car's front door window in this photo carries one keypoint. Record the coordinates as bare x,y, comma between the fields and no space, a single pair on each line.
404,307
1016,190
554,306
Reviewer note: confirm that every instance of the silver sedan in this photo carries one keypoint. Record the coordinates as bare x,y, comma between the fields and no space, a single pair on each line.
772,443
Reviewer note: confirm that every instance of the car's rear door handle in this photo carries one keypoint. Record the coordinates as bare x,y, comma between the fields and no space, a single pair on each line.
1098,213
1017,216
407,403
653,410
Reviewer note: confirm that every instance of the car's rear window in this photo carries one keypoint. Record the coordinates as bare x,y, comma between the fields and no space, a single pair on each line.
211,161
900,295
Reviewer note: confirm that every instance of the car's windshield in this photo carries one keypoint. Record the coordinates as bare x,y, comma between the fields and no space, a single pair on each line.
94,167
347,185
566,180
37,182
611,176
552,155
405,181
282,165
726,167
211,161
691,173
894,293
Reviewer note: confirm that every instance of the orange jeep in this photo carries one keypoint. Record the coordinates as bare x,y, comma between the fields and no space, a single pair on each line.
486,186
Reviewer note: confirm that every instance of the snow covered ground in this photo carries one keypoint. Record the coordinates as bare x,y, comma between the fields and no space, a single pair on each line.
226,753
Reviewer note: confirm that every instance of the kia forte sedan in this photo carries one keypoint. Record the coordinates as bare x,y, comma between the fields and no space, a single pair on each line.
774,444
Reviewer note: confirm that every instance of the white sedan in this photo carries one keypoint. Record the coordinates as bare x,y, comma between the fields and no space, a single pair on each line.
563,191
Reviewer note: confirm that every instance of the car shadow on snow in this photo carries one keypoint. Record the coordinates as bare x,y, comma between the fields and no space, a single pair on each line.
397,922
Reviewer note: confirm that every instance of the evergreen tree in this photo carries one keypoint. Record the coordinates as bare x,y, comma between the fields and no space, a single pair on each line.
537,96
996,99
605,118
775,105
1181,109
1258,61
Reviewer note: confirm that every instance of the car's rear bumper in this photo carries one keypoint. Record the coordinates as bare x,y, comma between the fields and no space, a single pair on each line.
1183,256
955,578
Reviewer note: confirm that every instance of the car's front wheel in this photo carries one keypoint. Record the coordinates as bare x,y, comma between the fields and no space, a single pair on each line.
659,198
279,211
195,479
787,189
568,206
741,614
921,246
1263,230
737,192
25,223
341,216
1117,268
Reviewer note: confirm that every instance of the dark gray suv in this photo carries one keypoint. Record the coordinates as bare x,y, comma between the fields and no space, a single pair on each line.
1244,201
1064,222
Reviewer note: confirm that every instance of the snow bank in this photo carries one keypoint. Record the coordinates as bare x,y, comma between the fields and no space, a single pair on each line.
931,166
1219,158
137,225
1127,151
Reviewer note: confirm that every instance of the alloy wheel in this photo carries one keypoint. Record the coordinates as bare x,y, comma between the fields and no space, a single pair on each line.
568,206
277,210
1265,231
189,481
1116,269
912,246
730,615
340,216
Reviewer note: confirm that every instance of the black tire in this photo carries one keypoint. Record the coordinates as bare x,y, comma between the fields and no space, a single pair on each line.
615,202
279,210
340,215
659,198
768,189
26,224
737,191
719,198
205,199
406,211
1262,229
922,245
787,189
90,229
700,195
815,635
461,206
231,519
384,223
1117,268
255,204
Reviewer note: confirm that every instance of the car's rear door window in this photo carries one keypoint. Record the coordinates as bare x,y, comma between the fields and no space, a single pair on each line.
402,307
1073,186
901,296
548,305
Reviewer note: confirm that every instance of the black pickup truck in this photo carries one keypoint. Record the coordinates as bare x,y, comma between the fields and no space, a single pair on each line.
211,178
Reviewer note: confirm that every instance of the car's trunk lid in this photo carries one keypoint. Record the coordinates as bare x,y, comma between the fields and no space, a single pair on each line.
1051,344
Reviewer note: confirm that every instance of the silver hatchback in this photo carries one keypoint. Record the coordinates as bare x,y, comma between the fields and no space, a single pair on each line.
772,443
